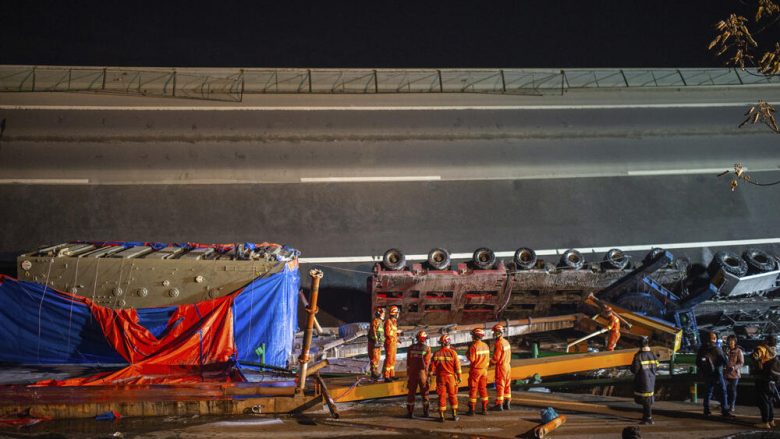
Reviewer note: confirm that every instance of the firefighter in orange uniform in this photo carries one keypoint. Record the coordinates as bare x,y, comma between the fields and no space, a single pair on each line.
391,344
376,337
479,359
418,368
502,359
447,368
614,328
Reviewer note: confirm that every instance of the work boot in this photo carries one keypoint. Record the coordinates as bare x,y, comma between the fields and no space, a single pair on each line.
441,415
506,404
409,411
484,408
648,421
455,416
471,410
498,407
425,408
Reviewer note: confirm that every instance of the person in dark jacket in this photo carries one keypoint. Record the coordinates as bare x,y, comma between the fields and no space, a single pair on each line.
710,360
644,367
732,372
767,373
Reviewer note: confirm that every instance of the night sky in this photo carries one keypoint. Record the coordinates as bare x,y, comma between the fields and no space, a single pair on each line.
543,33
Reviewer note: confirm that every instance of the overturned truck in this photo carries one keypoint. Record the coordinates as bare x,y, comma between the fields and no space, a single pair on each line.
440,292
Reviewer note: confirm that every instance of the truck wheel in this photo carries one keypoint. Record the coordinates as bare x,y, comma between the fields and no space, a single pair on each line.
615,258
729,262
439,259
394,259
572,259
483,258
525,258
759,261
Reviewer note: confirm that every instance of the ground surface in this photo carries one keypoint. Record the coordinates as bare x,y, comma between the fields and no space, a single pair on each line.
588,417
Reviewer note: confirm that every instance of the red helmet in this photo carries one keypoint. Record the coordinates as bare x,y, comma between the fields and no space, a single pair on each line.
421,336
498,328
379,311
478,333
444,340
394,310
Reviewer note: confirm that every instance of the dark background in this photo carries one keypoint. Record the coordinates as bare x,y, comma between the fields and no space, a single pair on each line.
550,33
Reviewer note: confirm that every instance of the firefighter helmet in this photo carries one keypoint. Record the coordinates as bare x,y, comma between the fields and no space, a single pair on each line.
444,340
379,311
607,310
478,333
498,328
421,336
394,310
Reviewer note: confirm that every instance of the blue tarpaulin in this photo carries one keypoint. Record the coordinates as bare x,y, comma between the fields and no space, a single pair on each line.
39,325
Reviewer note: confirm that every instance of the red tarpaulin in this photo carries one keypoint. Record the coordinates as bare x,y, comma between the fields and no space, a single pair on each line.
196,346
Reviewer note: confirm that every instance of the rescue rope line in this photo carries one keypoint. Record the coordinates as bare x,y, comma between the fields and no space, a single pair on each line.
350,388
40,308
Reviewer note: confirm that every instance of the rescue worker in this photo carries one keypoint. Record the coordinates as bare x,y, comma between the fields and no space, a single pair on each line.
479,359
391,344
502,359
447,368
418,368
644,367
613,325
376,337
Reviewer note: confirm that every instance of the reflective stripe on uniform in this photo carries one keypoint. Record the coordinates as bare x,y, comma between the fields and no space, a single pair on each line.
644,394
485,398
472,399
646,362
483,352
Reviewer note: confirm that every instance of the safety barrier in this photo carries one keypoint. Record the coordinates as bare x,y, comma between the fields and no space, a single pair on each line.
229,84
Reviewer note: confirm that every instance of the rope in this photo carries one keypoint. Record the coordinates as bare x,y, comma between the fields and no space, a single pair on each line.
350,388
70,311
345,269
40,308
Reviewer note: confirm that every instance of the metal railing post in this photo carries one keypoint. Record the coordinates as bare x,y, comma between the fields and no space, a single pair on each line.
441,82
682,77
503,80
376,82
174,82
308,72
33,78
103,87
622,73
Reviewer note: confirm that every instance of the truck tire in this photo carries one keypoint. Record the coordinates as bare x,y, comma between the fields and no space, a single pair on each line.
729,262
483,258
616,259
759,261
439,259
394,260
525,258
572,259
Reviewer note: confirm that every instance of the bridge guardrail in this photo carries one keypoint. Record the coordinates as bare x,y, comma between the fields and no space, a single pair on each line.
228,84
